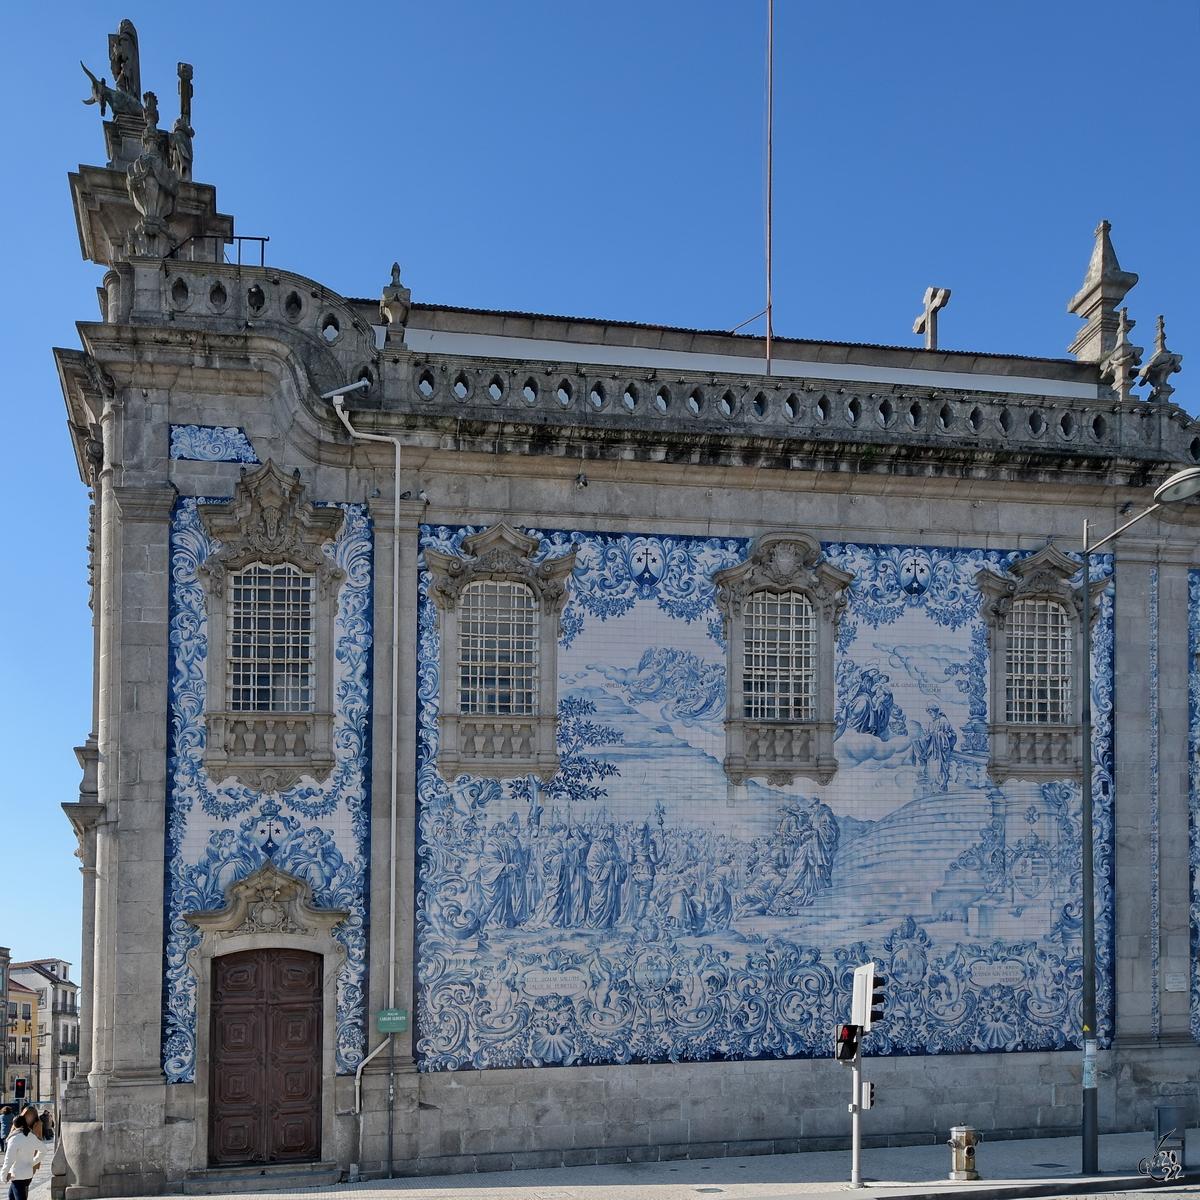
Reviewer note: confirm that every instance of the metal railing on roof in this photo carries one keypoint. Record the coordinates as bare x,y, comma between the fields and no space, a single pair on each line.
219,242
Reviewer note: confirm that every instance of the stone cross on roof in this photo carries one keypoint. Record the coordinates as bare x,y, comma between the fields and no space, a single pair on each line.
927,323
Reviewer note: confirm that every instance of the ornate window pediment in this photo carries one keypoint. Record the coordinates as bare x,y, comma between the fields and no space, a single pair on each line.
269,521
271,602
781,609
1035,617
268,902
498,614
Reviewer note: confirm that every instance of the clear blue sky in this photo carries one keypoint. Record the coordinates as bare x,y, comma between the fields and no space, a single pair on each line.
597,159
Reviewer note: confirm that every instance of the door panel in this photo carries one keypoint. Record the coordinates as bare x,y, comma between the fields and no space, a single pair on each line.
265,1085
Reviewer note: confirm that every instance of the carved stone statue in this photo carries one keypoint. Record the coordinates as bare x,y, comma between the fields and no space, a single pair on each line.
153,186
1163,363
182,131
123,58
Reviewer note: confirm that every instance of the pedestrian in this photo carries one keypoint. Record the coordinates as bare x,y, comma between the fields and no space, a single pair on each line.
47,1126
22,1157
6,1120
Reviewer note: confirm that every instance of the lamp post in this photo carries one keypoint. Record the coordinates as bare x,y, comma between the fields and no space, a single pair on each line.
1183,485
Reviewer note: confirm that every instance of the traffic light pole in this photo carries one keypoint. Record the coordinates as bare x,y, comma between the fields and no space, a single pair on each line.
856,1120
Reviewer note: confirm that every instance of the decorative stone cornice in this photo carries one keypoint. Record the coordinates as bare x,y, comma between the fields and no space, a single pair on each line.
269,521
144,504
499,552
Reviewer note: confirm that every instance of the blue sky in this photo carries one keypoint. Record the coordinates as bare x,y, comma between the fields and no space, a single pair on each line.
593,159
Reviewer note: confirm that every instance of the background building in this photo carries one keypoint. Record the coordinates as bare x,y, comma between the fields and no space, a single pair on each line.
652,695
58,1021
24,1047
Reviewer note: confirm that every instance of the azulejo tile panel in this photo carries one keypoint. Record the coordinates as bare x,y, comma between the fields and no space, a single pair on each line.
211,443
319,831
640,907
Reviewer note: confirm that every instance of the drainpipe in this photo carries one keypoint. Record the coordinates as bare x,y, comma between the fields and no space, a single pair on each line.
337,396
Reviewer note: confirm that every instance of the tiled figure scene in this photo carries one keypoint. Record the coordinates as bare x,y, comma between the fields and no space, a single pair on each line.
642,907
219,833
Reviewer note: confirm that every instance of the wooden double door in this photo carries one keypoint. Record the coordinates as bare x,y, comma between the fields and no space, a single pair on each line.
265,1068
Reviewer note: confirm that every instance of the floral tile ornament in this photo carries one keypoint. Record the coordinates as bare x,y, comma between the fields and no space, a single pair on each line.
641,908
218,834
211,443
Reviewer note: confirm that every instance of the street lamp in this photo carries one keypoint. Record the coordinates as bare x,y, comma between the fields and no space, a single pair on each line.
1183,485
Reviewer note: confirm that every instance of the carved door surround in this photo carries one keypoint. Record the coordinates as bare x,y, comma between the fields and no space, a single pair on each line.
268,909
781,562
1021,750
269,521
499,747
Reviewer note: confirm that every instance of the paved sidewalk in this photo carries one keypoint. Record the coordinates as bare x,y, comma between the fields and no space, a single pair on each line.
1037,1162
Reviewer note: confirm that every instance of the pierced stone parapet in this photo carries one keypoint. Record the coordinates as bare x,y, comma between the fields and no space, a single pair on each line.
268,751
816,411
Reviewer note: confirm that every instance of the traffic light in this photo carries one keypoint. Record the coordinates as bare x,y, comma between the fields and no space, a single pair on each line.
846,1043
868,1096
866,1001
19,1089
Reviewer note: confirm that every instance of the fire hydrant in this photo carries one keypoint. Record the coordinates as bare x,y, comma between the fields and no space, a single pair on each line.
963,1140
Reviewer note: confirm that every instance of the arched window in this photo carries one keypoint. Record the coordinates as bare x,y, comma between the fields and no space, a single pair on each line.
499,620
779,667
1038,663
498,650
271,612
781,608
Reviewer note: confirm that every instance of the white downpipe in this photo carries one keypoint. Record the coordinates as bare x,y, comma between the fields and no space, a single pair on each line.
394,783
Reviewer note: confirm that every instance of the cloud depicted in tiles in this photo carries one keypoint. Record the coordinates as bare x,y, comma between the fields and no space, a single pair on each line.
688,689
929,666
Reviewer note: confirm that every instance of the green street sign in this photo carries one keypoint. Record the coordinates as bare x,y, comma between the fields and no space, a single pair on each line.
392,1020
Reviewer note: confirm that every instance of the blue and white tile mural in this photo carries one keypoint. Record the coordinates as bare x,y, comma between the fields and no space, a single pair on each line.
217,834
642,908
211,443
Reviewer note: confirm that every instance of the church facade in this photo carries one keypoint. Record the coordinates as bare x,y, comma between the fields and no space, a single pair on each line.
511,731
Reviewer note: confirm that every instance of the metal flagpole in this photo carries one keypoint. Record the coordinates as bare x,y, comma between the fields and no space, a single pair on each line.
770,159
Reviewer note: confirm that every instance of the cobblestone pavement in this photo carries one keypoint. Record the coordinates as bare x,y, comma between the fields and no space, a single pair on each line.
779,1175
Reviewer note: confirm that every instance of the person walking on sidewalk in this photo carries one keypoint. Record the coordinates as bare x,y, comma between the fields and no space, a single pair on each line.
6,1120
22,1157
47,1126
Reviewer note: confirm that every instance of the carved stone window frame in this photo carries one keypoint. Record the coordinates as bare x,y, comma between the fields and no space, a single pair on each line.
478,744
269,909
270,522
1021,750
780,750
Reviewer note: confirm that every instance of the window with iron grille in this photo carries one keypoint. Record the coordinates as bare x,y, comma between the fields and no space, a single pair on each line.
779,674
498,650
271,640
1038,664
